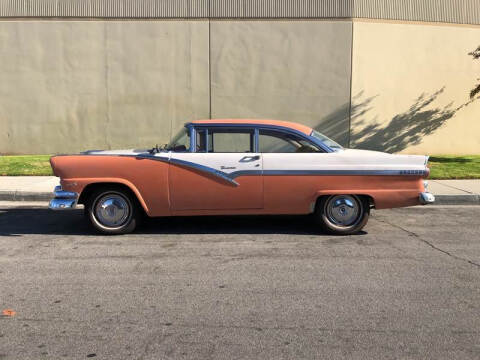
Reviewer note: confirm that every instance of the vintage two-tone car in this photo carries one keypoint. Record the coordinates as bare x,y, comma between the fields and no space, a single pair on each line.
239,167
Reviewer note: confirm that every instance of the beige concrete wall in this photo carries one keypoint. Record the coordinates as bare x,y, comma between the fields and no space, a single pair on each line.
287,70
68,86
410,88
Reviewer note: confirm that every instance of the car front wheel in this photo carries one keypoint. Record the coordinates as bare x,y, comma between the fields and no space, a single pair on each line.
112,211
342,214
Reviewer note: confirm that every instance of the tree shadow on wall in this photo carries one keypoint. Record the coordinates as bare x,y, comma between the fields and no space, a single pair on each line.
404,130
336,125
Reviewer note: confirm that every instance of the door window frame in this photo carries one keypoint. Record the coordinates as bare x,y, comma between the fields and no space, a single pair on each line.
256,128
274,132
206,128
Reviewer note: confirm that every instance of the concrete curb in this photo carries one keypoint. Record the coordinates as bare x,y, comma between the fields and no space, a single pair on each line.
468,199
25,196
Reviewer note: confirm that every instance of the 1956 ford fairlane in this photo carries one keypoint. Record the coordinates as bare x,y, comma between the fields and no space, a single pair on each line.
239,167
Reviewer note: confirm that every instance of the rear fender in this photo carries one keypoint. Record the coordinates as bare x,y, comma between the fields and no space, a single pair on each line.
382,198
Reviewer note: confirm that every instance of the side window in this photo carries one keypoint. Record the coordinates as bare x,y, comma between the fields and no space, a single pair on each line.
201,140
180,142
226,140
280,142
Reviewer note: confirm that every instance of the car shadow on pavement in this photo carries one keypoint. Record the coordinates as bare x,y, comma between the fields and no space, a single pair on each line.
22,221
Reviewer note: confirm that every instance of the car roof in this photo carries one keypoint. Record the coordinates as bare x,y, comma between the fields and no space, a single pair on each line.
287,124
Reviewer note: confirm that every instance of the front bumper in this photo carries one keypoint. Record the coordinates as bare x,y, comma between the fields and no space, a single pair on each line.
64,200
426,198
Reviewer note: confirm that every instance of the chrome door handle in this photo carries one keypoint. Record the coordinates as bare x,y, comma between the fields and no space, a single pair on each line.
250,158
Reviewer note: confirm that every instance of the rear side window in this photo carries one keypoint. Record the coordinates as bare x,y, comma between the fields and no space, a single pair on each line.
225,140
271,141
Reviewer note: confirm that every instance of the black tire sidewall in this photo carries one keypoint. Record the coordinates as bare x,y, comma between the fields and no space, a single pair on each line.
330,228
127,227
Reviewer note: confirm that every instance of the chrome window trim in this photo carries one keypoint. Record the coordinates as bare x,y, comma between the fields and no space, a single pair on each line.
280,132
254,140
193,140
207,143
257,140
310,138
196,133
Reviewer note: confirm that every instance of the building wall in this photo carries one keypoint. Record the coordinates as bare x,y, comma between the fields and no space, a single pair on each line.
71,85
74,85
411,85
286,70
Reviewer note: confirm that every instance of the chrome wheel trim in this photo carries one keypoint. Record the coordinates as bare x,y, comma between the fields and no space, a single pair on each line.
112,210
343,211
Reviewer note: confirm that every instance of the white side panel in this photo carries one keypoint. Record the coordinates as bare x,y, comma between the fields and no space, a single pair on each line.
227,163
347,160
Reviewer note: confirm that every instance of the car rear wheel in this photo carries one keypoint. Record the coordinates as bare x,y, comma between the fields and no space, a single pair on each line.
342,214
112,211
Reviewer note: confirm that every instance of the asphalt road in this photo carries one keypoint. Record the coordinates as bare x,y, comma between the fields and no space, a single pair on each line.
241,288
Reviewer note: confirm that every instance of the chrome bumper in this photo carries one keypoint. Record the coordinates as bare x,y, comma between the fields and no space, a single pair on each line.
426,198
64,200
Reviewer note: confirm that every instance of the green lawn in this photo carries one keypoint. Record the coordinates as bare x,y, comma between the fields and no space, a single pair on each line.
25,165
454,167
442,166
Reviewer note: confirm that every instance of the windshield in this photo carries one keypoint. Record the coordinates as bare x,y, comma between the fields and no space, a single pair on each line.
180,142
327,141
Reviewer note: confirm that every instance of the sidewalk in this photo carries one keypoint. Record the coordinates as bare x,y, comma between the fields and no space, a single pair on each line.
27,188
40,188
455,192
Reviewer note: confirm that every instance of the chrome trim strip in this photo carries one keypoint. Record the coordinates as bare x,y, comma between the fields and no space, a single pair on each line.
150,157
65,194
206,169
344,172
202,168
230,177
239,173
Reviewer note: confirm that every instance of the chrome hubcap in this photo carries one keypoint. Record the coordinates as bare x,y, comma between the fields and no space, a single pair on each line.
112,210
343,210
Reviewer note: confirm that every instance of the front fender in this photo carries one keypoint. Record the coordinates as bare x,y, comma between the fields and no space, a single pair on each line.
79,184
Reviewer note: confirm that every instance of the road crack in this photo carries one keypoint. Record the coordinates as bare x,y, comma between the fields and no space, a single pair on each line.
411,233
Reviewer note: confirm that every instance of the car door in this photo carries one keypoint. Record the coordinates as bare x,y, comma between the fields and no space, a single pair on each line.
290,171
223,173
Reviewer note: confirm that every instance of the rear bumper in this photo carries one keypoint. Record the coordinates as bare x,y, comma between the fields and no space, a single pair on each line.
64,200
426,198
